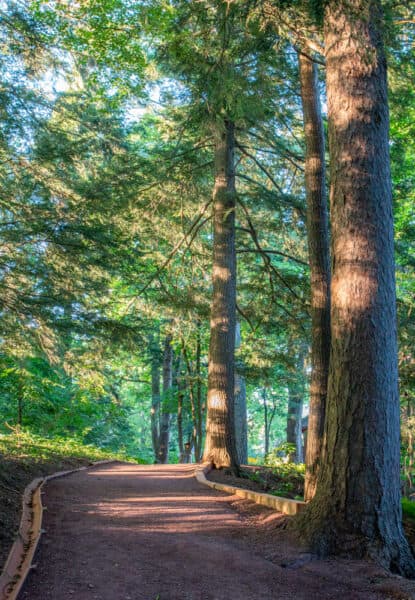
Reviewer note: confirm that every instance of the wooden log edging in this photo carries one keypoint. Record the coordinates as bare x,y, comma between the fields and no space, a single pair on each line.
19,561
284,505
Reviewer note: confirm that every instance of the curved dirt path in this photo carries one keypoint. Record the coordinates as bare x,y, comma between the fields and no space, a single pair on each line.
129,532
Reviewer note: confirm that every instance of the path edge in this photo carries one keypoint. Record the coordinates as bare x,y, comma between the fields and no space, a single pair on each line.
19,560
284,505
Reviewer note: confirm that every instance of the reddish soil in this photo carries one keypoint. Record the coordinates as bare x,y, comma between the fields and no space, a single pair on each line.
129,532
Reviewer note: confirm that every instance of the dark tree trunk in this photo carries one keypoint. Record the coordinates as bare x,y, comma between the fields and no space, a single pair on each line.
266,422
155,398
220,448
357,506
180,400
294,422
408,442
319,259
198,424
20,409
187,456
196,438
165,416
269,414
241,429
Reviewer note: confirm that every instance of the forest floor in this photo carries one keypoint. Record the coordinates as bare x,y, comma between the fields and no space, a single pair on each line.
133,532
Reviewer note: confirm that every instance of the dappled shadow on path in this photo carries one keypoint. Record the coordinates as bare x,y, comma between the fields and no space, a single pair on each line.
126,532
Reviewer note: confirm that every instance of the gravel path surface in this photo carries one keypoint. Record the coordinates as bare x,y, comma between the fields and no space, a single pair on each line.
130,532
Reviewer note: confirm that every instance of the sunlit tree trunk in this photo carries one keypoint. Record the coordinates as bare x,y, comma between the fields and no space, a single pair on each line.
318,251
356,508
165,417
220,448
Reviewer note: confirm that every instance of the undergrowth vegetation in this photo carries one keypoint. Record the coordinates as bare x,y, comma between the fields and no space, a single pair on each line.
25,456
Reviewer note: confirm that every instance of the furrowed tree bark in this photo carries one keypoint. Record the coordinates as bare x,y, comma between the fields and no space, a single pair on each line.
356,508
165,416
220,447
319,259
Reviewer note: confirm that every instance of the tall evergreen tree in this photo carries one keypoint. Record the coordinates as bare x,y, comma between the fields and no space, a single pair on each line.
319,259
357,501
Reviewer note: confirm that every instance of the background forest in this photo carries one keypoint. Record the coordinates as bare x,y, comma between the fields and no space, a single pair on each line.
107,168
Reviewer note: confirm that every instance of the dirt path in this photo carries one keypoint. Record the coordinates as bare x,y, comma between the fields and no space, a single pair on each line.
129,532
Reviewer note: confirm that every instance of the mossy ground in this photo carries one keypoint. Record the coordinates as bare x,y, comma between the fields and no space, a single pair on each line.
25,456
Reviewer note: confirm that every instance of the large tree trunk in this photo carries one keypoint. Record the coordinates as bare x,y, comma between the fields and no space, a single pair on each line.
357,506
220,448
319,259
155,398
165,416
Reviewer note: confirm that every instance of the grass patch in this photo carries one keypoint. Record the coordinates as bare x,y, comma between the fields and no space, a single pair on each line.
25,446
408,508
25,456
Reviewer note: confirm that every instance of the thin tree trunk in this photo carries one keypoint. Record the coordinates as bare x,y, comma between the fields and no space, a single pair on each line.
294,421
20,409
220,448
193,408
165,417
409,450
155,398
180,426
319,259
266,425
357,502
241,429
180,399
199,424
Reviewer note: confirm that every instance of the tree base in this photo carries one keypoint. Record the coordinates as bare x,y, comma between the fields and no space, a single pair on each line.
327,536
